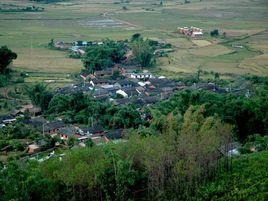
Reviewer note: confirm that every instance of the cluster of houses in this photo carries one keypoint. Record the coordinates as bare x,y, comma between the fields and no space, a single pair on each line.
96,133
194,32
141,88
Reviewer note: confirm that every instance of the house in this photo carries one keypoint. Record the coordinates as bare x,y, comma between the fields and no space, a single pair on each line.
100,93
37,122
152,91
84,76
125,83
208,86
94,130
122,93
130,91
78,51
53,127
159,83
6,119
104,73
16,113
115,134
83,138
112,90
109,72
33,148
101,82
140,90
167,90
66,132
194,32
197,35
150,99
82,43
122,101
140,75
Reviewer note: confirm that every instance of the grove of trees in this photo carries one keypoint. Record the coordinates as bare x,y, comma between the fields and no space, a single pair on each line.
143,51
100,57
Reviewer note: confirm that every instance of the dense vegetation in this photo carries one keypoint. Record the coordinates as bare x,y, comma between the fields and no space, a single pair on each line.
181,163
80,108
143,167
143,51
179,154
247,180
100,57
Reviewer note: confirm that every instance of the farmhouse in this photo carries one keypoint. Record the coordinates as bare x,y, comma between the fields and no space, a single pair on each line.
53,127
100,93
125,84
194,32
101,82
139,75
7,119
66,132
197,35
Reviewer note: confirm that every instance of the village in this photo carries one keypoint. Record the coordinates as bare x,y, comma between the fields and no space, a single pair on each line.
131,86
126,83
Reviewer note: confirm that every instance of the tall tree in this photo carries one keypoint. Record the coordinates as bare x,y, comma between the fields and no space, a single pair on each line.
6,57
143,52
103,56
39,95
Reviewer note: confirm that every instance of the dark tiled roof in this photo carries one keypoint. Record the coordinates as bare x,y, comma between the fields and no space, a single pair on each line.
95,129
123,83
67,131
130,91
150,99
122,101
54,125
100,92
115,134
162,82
36,122
102,81
5,117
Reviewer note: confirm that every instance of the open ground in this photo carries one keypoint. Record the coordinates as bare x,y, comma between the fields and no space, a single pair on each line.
244,21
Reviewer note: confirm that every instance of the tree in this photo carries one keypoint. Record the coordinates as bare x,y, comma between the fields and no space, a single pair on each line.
135,37
6,57
143,53
39,95
51,43
100,57
214,32
71,141
89,143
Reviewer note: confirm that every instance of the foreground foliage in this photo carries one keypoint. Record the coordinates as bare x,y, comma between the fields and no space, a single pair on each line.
247,180
169,165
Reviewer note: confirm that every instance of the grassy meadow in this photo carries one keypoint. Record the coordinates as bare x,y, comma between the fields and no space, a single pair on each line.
244,21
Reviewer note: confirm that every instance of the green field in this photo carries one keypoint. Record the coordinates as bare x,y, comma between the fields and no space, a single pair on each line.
28,33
